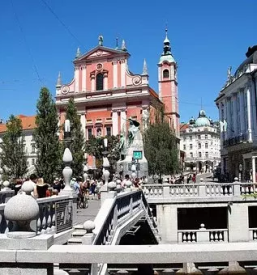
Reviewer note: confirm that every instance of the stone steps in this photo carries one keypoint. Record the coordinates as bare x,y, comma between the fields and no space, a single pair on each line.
78,232
75,241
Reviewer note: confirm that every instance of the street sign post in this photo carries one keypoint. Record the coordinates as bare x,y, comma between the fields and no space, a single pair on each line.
137,155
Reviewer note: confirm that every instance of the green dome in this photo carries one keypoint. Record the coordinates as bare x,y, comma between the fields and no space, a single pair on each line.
168,58
202,120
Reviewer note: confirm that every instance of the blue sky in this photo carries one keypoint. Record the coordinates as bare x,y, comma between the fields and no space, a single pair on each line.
206,37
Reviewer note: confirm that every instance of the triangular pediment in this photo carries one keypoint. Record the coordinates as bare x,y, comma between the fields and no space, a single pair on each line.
100,52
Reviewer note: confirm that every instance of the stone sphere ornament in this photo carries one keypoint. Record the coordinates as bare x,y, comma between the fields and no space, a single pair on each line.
89,226
21,210
6,184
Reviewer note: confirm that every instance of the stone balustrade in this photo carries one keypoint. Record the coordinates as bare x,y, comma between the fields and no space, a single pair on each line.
203,235
55,215
199,190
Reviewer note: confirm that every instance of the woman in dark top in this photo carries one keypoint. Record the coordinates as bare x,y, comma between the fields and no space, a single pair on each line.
41,188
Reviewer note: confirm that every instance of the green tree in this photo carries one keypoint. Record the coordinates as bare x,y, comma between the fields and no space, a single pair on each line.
46,137
77,139
95,146
13,160
160,145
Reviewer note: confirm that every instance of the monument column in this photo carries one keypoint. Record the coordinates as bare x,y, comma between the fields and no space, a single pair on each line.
123,117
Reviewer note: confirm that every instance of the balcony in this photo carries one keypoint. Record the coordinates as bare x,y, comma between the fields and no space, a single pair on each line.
235,140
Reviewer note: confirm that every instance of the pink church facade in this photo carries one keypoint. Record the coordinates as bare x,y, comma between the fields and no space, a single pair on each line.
106,93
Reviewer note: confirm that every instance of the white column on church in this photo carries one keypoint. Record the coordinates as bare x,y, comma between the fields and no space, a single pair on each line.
225,103
115,122
221,119
123,73
249,116
115,74
83,123
105,82
253,110
229,126
76,80
242,116
84,79
254,169
92,83
235,126
123,117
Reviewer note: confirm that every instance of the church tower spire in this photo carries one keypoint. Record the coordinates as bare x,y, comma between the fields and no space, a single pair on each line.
168,85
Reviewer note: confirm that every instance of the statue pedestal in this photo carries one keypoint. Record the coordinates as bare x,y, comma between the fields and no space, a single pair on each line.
137,145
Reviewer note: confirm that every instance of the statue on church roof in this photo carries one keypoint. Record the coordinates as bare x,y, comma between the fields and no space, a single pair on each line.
229,75
100,40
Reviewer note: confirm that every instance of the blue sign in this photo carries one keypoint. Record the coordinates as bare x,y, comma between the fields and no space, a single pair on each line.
137,154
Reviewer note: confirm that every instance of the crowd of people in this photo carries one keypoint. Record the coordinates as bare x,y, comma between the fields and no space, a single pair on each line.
85,189
89,188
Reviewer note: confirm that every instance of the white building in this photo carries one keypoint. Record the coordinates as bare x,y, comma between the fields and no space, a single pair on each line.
200,140
237,111
28,125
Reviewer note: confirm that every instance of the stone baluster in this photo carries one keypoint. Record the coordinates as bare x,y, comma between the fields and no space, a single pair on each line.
88,238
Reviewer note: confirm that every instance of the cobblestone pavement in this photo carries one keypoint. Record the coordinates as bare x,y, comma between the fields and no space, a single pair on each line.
88,213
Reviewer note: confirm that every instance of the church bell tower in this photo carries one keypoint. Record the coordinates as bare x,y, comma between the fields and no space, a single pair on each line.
168,85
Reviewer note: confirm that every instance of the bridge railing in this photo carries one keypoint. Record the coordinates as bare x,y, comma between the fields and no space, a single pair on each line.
55,216
123,208
200,190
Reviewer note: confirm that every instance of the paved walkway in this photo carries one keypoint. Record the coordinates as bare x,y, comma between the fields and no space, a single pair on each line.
88,213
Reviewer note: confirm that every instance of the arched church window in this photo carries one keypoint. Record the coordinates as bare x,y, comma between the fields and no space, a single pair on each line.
99,82
166,74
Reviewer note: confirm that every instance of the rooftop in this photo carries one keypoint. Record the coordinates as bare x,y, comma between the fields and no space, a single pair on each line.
27,122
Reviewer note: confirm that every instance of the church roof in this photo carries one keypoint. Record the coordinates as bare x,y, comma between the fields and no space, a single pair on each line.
99,49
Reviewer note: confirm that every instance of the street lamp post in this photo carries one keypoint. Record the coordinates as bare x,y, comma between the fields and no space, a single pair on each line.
106,163
133,169
67,157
